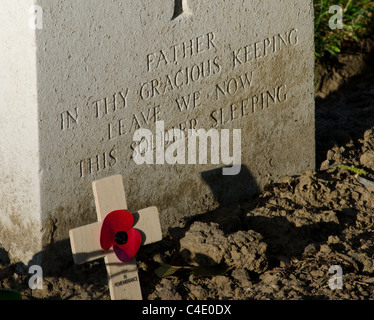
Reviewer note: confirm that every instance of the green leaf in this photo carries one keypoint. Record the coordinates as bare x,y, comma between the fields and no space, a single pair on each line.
329,50
166,270
10,295
352,168
335,48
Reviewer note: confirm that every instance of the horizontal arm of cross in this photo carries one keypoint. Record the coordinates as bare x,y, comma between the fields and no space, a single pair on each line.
85,241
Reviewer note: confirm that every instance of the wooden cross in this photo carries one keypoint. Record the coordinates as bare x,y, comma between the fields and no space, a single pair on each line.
180,7
109,196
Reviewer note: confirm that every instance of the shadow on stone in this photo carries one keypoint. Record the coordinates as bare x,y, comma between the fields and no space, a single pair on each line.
228,189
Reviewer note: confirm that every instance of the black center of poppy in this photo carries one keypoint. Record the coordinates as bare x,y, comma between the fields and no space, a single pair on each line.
121,237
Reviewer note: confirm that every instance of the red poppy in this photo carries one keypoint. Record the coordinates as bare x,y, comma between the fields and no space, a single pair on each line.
117,232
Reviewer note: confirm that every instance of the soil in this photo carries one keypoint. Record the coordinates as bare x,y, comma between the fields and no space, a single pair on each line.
288,242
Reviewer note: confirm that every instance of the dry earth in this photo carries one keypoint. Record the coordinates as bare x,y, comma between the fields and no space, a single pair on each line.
278,245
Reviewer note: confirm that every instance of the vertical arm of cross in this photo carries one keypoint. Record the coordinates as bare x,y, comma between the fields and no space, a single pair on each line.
124,282
109,195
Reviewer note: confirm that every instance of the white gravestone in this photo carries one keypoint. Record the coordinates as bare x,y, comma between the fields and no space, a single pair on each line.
80,77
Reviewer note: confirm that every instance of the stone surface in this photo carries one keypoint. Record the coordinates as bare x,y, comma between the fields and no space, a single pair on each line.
75,91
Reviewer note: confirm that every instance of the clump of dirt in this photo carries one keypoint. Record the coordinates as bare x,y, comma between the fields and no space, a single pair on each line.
285,243
205,244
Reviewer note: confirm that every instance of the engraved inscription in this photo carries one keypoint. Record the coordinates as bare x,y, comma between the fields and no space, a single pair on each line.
189,102
68,119
183,77
180,51
111,104
130,124
227,97
264,48
98,163
249,105
233,85
125,281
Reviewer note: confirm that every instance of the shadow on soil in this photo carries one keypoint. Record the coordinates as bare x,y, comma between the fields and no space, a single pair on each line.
345,114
